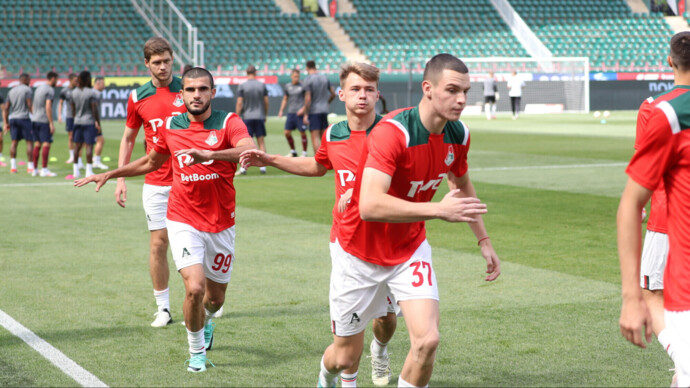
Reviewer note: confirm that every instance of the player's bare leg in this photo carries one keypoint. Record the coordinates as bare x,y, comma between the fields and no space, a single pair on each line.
75,162
30,155
383,328
194,315
291,142
13,156
70,146
342,354
422,319
262,146
160,275
316,139
97,163
89,159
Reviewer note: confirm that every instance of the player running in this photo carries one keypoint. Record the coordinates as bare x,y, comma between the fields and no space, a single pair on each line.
42,124
15,115
340,149
149,105
201,211
293,99
660,156
318,93
381,240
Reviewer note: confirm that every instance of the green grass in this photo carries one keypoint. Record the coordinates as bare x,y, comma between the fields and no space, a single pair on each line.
74,270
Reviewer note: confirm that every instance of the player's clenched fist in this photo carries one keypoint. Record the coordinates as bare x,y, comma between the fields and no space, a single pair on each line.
459,209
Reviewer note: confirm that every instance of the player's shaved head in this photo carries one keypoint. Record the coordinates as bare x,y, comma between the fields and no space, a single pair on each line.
156,46
198,72
367,72
680,50
434,68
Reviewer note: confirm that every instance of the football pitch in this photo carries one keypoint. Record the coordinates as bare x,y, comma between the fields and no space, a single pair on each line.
74,269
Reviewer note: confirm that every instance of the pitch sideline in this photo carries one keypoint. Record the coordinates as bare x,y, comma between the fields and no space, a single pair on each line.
49,352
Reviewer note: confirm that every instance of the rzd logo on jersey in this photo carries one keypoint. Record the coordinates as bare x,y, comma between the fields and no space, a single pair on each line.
178,100
450,157
212,139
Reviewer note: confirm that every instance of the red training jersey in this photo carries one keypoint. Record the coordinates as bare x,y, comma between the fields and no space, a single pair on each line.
202,195
657,212
340,150
664,154
417,162
150,106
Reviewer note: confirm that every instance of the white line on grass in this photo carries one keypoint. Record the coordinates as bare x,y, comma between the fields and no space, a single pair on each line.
71,368
507,168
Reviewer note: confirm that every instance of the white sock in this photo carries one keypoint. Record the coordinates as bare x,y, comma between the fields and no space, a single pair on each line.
326,378
71,154
405,384
89,168
196,341
262,168
487,109
348,380
75,169
493,109
31,165
377,348
13,163
162,299
666,340
96,160
208,317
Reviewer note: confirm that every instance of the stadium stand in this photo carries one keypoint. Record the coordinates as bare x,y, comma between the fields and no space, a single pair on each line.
72,35
238,33
393,32
608,32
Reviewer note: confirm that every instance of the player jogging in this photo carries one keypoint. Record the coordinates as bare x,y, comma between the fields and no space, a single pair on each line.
87,124
318,93
201,211
66,105
293,99
149,105
339,151
381,240
42,123
16,119
252,105
660,155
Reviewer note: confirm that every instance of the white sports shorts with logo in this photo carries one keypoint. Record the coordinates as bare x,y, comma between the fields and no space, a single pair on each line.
155,199
678,322
214,251
654,254
359,288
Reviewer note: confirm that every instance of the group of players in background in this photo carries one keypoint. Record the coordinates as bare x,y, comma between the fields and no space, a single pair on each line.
387,171
28,116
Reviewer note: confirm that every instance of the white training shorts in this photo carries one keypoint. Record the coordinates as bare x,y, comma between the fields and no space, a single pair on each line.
155,199
678,323
653,263
358,288
214,251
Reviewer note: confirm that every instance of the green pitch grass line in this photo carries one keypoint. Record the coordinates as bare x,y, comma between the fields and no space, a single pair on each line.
71,368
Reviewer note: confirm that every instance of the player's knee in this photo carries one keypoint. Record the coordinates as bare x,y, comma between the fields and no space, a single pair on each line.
345,360
424,347
195,291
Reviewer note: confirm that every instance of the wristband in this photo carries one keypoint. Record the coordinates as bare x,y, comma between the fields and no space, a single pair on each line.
482,239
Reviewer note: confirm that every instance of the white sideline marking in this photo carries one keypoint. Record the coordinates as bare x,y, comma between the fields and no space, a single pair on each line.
71,368
508,168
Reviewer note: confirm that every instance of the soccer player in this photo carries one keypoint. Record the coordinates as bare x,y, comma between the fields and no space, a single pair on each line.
340,149
66,99
99,86
490,90
293,99
661,155
149,105
87,122
2,159
201,211
42,123
318,93
381,239
252,106
515,85
16,119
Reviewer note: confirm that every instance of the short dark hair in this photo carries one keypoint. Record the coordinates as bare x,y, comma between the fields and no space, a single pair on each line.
311,65
72,76
295,70
23,75
198,72
155,46
51,75
680,50
251,70
84,79
441,62
99,78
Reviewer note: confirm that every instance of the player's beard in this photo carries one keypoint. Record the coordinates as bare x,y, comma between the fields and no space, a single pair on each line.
199,111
